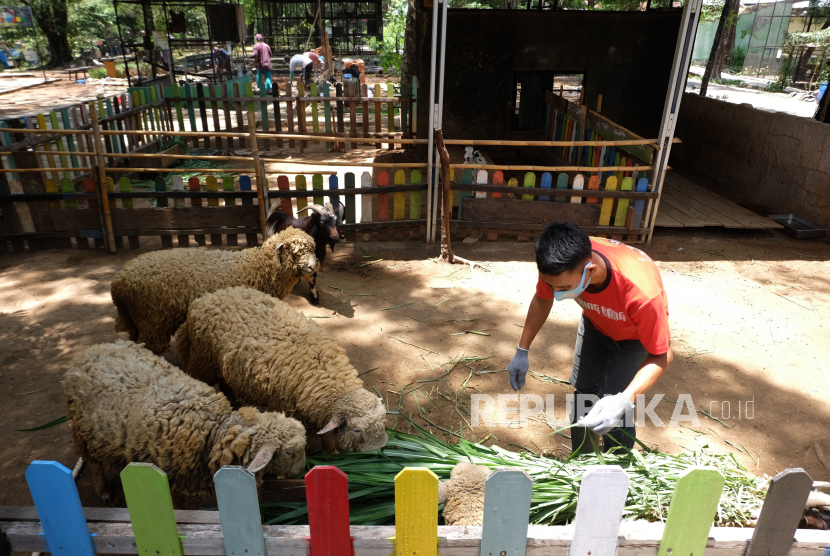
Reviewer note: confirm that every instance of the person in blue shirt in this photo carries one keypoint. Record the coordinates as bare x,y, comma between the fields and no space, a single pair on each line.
221,59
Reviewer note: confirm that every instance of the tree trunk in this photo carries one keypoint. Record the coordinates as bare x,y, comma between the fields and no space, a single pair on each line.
724,56
410,59
53,19
728,7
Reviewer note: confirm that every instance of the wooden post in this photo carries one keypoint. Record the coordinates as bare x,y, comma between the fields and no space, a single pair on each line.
783,507
261,188
102,180
327,493
599,104
416,524
599,511
506,513
239,511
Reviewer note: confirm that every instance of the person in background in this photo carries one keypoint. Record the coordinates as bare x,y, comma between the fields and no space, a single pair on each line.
262,62
3,58
221,60
302,63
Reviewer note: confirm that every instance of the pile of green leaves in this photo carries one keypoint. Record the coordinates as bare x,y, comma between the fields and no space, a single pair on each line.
556,483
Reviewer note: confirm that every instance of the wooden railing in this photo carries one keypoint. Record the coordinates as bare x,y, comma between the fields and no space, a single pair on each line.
58,524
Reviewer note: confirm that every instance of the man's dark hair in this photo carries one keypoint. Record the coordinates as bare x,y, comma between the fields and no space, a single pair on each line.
561,247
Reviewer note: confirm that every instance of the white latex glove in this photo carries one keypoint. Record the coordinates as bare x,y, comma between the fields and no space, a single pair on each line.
606,412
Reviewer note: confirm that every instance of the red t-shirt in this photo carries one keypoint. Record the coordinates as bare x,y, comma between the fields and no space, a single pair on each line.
631,304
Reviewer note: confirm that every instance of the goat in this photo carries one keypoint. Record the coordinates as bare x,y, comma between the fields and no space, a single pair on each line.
320,224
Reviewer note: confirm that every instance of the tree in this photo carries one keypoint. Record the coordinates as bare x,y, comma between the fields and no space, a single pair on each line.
409,63
729,7
724,56
52,17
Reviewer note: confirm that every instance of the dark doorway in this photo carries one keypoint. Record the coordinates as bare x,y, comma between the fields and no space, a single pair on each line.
529,95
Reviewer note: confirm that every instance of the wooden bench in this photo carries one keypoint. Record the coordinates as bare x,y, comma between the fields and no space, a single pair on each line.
76,71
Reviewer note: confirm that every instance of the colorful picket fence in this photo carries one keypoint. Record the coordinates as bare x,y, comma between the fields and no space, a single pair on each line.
58,524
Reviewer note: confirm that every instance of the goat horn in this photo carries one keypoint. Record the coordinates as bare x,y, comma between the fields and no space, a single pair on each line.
818,499
316,208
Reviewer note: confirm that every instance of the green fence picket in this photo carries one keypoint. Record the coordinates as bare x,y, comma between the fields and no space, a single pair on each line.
151,510
691,512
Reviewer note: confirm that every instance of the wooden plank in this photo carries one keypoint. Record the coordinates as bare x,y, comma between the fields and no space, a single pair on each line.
236,495
378,115
285,202
507,495
263,109
685,221
390,111
327,112
561,183
691,512
608,204
383,202
405,111
228,121
528,212
781,513
175,218
327,495
59,508
530,181
699,210
593,184
734,211
301,121
498,179
240,120
416,521
214,111
399,204
622,206
482,178
162,202
547,180
338,92
365,201
11,221
317,183
67,187
200,92
665,221
642,185
250,238
364,92
334,183
178,185
277,115
230,200
579,184
350,200
300,184
466,177
53,118
599,510
211,184
193,185
353,120
124,186
315,116
289,114
667,198
415,203
151,510
191,113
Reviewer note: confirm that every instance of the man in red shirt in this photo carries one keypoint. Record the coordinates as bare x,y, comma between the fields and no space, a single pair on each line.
622,347
262,62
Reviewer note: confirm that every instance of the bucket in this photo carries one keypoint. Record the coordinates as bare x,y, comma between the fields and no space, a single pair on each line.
109,63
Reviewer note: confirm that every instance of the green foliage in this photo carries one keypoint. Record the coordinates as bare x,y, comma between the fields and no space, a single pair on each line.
728,82
98,73
394,28
738,57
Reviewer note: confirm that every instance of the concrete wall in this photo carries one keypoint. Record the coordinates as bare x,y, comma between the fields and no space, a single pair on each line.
626,57
776,162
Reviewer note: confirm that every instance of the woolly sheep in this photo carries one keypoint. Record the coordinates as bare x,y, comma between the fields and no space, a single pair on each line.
269,354
126,404
463,494
152,291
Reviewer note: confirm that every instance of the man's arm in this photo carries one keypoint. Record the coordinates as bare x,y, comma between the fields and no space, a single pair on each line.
537,314
653,368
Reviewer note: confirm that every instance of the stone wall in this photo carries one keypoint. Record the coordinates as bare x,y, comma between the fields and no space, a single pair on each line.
773,161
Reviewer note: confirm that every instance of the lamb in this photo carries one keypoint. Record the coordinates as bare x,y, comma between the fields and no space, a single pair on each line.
269,354
321,224
152,292
463,494
126,404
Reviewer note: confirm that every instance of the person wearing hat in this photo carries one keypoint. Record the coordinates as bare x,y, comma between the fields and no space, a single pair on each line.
262,62
302,63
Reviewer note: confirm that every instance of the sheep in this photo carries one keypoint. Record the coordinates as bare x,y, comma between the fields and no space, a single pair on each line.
463,494
816,509
321,224
126,404
269,354
152,292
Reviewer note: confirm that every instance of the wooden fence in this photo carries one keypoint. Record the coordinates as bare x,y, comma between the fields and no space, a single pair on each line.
59,525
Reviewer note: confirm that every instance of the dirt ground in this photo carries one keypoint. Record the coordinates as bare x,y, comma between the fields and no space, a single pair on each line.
747,311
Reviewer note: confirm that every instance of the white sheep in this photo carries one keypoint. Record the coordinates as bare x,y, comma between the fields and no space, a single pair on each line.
152,291
126,404
463,494
269,354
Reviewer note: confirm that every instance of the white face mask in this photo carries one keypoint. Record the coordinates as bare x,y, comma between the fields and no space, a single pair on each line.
577,291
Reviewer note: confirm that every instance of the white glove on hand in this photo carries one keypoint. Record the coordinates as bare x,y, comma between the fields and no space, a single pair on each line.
606,412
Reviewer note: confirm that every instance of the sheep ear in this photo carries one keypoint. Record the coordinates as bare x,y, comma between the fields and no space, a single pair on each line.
279,247
262,458
333,424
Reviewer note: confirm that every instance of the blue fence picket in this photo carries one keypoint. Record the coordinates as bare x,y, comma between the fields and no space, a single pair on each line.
506,513
350,199
239,511
333,184
546,183
59,509
642,185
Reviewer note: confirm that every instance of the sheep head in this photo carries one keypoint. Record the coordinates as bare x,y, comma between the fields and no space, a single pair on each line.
358,422
295,249
275,443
